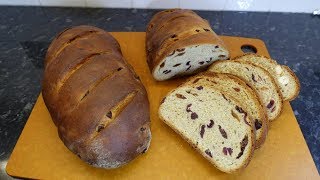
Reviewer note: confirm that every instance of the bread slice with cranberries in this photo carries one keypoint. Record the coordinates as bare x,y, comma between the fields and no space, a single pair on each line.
179,42
257,78
237,89
214,123
284,77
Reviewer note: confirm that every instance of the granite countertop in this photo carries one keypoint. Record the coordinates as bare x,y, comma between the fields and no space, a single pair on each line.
25,33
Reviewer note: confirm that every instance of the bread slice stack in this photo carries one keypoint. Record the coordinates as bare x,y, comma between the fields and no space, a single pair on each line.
225,112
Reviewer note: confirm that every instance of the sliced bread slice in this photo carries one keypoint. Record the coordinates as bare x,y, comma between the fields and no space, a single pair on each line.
257,78
284,77
213,123
237,89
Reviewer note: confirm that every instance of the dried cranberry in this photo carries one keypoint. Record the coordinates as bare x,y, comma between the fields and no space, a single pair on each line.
271,103
181,96
208,152
194,115
199,87
162,101
188,108
253,78
202,130
225,151
224,97
162,65
257,124
223,132
230,151
210,125
239,109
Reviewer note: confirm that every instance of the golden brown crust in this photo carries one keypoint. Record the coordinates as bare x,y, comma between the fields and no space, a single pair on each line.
85,79
296,80
173,29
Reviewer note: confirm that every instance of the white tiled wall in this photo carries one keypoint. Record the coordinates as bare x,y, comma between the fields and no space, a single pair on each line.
307,6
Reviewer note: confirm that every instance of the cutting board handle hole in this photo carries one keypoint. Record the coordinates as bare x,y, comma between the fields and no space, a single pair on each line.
248,48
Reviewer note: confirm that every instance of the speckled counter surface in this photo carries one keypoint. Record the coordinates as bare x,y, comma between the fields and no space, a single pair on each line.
26,32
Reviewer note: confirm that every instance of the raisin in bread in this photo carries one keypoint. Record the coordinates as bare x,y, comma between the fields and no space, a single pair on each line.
237,89
213,123
257,78
284,77
179,42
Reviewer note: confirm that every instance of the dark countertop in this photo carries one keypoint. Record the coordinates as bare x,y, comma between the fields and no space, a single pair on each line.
25,33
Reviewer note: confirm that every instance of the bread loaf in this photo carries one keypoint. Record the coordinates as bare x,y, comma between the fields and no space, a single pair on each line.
284,77
214,123
257,78
179,42
237,89
95,99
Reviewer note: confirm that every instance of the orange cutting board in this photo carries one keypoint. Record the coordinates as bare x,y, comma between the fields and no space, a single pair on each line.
39,153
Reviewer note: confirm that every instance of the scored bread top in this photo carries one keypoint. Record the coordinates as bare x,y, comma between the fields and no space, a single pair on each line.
284,77
239,90
257,78
95,99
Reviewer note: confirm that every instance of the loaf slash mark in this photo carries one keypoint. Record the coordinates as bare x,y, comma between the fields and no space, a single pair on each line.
78,66
77,37
114,112
95,84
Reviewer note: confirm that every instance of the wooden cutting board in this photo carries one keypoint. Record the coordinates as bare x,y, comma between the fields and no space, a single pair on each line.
39,153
